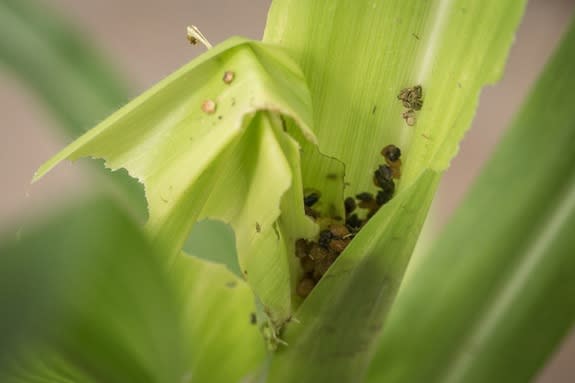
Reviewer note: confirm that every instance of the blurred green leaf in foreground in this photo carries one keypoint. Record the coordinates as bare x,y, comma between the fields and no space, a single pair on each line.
496,294
85,298
53,58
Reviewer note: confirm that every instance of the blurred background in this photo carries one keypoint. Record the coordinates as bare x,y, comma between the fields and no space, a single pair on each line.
145,41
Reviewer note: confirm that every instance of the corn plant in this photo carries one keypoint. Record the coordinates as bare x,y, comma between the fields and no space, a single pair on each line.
286,183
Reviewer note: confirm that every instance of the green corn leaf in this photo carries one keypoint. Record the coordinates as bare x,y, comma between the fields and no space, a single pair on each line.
86,299
222,339
357,56
496,294
243,151
209,148
450,48
339,320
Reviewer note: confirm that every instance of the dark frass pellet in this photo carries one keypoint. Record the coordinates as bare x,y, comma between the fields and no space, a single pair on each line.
311,199
391,153
311,212
364,197
324,237
302,247
317,253
383,196
339,245
353,222
382,176
338,230
350,205
388,187
320,269
366,201
307,264
304,287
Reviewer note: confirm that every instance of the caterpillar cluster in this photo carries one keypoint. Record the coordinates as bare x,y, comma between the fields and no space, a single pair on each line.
317,256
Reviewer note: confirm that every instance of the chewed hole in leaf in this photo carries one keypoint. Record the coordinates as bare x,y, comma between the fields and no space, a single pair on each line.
130,187
214,241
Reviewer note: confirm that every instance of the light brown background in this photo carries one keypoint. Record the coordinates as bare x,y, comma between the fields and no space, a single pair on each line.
145,39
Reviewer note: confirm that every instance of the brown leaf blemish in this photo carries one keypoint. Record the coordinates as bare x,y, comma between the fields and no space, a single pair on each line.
209,106
229,77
